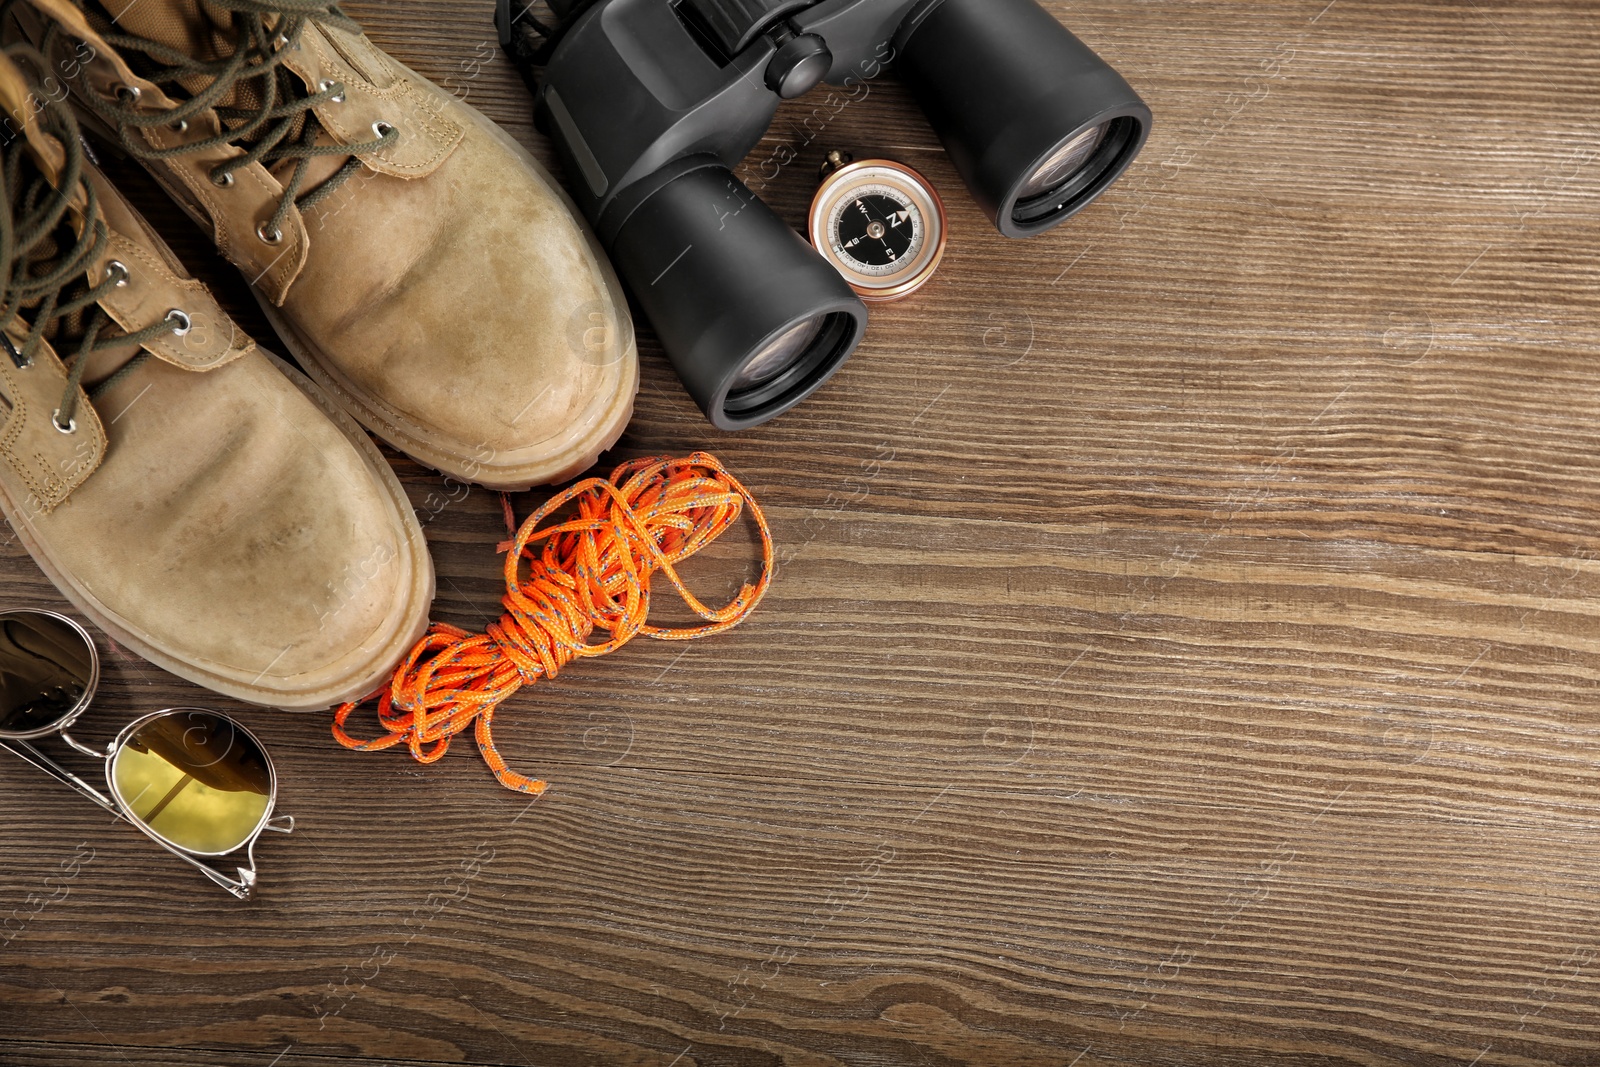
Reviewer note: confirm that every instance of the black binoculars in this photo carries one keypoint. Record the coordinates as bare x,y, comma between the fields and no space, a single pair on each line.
652,103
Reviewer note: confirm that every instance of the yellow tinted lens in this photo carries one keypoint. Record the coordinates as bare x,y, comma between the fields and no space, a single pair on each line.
194,778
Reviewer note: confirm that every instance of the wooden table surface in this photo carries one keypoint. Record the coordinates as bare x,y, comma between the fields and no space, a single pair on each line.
1185,649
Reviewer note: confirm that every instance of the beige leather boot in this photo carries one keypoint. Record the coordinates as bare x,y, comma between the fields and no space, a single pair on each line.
204,505
419,263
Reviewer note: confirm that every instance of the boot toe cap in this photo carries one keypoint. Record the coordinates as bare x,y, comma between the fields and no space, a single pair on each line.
237,536
475,324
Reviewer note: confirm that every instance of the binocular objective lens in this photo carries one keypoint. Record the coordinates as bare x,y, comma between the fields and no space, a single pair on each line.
1064,162
780,354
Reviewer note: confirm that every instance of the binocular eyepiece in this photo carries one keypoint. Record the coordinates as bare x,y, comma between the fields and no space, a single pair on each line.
653,103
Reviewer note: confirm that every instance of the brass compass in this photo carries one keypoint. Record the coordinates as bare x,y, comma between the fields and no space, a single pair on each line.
880,223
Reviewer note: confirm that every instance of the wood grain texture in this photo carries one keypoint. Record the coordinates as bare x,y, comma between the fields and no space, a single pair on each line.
1185,649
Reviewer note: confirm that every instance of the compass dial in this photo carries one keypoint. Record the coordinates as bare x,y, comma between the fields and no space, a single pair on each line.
882,225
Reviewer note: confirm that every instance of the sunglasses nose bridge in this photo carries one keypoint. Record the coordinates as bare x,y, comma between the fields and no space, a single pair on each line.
95,753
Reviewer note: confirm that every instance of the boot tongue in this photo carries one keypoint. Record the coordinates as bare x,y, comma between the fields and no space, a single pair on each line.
17,99
192,27
49,156
206,32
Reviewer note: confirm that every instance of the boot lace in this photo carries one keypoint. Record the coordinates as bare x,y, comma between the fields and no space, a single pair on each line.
44,258
281,126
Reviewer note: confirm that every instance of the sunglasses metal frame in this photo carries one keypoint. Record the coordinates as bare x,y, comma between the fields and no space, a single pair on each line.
20,745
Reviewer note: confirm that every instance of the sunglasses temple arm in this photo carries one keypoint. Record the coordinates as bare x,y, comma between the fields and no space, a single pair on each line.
26,752
242,887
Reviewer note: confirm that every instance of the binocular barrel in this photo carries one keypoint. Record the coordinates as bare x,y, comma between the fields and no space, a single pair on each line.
752,318
652,103
1036,123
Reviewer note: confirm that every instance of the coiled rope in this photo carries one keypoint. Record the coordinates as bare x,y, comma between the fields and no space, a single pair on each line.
594,571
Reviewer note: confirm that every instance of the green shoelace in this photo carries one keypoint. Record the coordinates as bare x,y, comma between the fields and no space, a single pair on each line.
42,255
283,127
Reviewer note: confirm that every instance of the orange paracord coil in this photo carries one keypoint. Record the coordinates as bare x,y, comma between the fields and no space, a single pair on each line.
594,571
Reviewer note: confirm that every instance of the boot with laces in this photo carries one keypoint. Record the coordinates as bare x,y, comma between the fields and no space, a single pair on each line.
203,504
417,261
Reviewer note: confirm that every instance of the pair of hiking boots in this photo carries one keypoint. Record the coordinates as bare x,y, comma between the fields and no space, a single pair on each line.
205,504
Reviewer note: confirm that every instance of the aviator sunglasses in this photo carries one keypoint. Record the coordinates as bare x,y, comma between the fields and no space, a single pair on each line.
197,782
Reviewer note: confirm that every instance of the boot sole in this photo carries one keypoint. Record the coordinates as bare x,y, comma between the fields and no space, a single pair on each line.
355,683
581,450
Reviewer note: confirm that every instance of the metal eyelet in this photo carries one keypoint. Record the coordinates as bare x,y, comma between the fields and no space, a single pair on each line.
129,94
181,126
16,356
281,42
223,179
182,321
383,129
119,270
328,83
55,420
269,236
